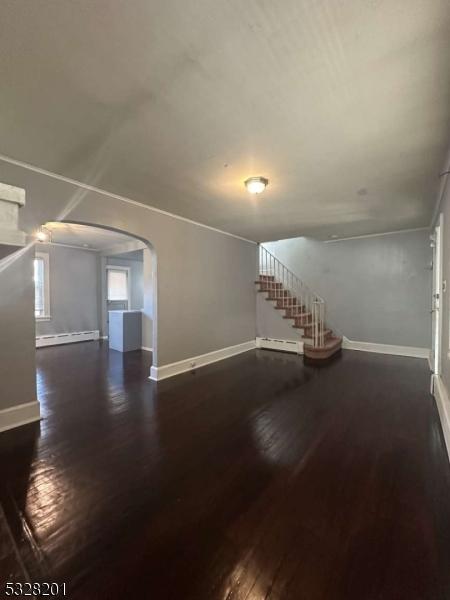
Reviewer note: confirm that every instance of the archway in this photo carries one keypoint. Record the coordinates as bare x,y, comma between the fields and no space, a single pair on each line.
119,245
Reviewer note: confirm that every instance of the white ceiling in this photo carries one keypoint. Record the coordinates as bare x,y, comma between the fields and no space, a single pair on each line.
344,106
85,236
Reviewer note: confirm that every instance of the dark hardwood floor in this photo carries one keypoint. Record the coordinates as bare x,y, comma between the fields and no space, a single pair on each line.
254,478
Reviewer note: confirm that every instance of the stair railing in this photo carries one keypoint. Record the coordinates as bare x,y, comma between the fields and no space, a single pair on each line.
290,292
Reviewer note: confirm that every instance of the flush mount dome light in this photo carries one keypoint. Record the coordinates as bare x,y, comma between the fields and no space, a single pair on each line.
256,185
44,234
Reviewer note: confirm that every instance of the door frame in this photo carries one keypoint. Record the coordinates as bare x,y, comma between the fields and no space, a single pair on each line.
436,307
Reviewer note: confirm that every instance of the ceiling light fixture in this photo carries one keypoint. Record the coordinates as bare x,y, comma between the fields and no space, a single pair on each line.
256,185
43,234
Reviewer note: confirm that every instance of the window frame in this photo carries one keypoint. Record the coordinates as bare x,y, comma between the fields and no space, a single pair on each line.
46,258
128,272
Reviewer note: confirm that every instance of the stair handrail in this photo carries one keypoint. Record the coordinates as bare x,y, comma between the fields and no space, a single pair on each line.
286,287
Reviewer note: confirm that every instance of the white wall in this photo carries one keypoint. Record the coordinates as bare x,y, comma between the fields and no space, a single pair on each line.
377,289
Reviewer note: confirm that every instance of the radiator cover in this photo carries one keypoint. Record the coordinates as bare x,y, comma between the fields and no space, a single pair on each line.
295,346
55,339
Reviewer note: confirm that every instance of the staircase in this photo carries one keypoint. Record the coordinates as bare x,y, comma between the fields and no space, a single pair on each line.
302,306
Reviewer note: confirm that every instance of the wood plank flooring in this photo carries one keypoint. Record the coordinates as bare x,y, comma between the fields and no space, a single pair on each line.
255,478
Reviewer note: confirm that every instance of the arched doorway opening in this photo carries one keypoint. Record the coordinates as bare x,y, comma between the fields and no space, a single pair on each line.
86,273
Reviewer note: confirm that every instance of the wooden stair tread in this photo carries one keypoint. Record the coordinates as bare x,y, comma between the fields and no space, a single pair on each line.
284,300
328,334
331,346
330,343
290,307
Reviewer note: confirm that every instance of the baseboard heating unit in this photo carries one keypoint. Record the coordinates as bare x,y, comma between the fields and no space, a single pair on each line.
55,339
283,345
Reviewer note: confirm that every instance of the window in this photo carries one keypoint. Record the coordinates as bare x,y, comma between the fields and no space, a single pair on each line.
41,286
117,284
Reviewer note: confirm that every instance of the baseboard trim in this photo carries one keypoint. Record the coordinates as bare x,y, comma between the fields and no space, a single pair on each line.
443,405
146,348
294,346
190,364
22,414
386,348
56,339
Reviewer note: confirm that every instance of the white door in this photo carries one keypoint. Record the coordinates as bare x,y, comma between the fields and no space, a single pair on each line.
436,298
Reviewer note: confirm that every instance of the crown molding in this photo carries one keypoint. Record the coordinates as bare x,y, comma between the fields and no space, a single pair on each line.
92,188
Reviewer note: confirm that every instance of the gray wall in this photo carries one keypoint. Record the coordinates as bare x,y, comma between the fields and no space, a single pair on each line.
204,299
147,312
17,341
377,289
270,322
73,290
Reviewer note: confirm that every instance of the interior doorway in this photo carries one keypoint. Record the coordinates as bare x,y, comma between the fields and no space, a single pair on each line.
90,274
436,316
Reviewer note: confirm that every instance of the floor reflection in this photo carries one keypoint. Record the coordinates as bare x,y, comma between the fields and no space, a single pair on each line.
254,477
